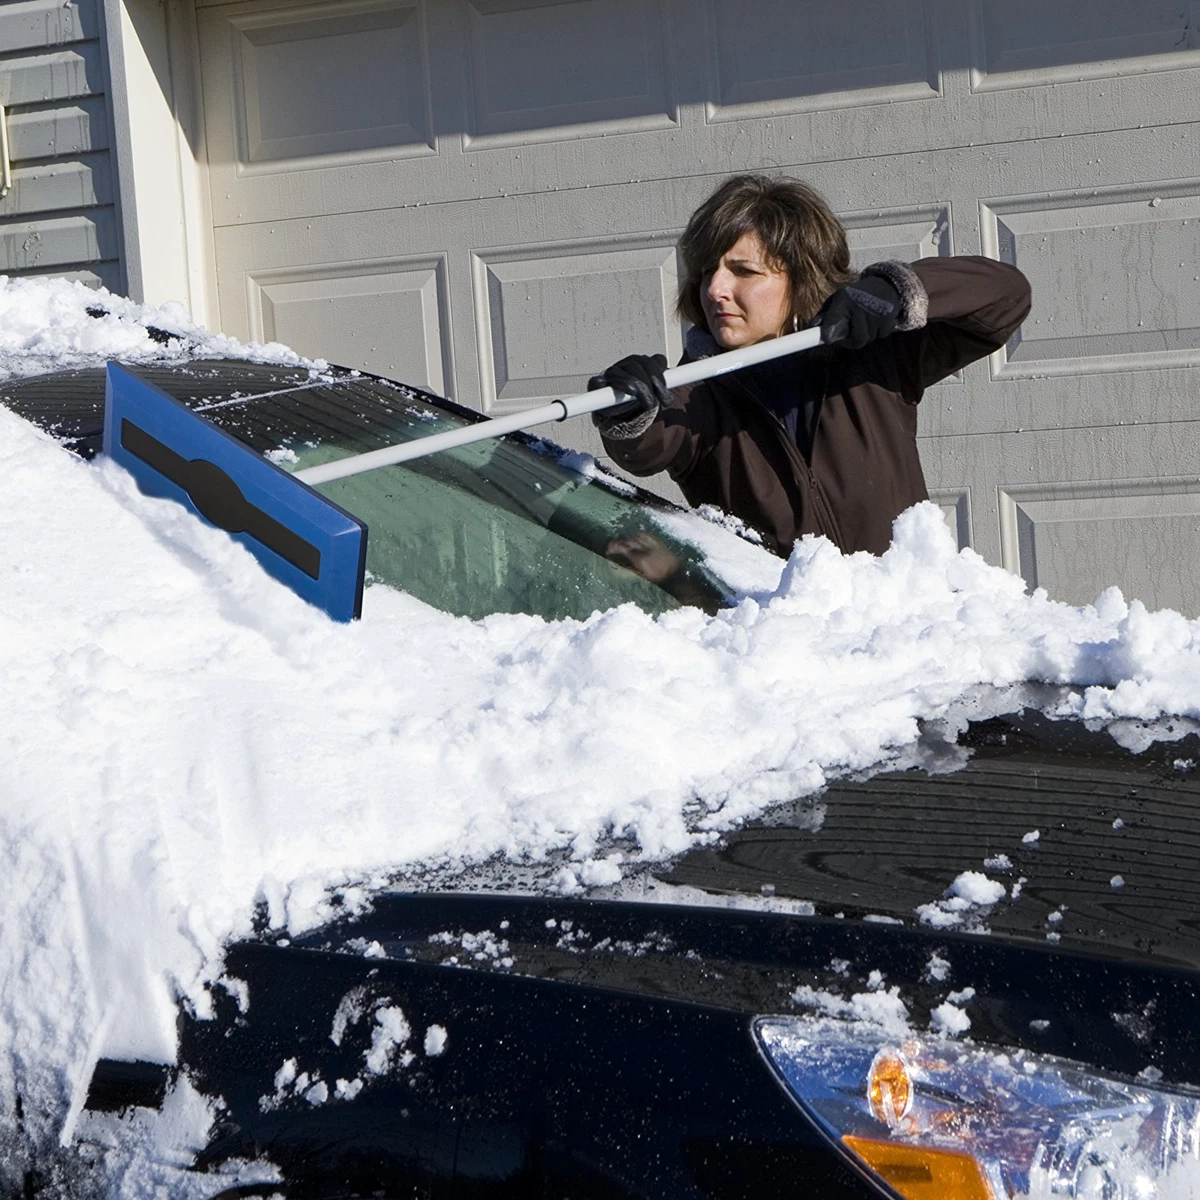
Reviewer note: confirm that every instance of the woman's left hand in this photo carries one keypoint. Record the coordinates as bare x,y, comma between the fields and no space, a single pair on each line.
860,313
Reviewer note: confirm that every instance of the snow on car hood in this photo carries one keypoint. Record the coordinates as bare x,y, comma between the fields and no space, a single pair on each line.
184,739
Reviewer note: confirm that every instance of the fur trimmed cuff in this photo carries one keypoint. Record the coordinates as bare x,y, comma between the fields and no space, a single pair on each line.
914,300
623,428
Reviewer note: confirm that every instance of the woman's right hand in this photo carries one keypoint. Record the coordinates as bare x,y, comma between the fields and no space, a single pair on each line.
640,377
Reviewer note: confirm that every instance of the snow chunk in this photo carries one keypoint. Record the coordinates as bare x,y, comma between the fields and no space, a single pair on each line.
885,1009
290,1082
435,1040
937,969
598,873
1031,837
285,1076
350,1010
949,1020
976,888
391,1033
969,891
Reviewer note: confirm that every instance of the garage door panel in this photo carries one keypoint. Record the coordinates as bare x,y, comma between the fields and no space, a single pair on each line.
1074,539
1117,274
386,316
903,233
772,57
291,67
1116,401
548,316
955,503
1023,43
1109,504
565,68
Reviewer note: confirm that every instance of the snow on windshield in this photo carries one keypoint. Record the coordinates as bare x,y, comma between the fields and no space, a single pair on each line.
184,739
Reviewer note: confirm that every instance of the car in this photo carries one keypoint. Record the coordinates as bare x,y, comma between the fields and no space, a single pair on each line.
976,977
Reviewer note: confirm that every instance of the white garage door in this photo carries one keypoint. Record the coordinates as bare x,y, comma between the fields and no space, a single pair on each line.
481,196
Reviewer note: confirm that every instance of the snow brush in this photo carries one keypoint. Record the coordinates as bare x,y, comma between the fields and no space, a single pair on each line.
557,410
301,538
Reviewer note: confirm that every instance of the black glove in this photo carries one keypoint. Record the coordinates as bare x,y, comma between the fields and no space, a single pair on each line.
860,313
638,376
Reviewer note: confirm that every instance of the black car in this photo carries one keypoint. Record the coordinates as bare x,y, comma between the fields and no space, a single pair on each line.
973,979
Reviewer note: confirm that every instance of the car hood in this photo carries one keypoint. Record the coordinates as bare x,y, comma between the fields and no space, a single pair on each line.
1096,848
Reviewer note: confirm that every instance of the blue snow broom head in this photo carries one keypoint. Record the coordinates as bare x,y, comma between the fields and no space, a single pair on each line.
301,538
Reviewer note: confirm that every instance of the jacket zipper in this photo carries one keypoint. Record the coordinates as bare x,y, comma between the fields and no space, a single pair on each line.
828,521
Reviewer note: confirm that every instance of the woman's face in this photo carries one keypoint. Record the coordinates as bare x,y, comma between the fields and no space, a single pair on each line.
746,298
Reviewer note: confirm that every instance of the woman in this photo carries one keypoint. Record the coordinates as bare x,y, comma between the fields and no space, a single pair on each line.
821,442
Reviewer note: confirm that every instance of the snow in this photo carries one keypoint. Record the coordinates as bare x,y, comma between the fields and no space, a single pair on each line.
885,1009
388,1039
183,739
948,1019
970,891
45,326
938,968
976,888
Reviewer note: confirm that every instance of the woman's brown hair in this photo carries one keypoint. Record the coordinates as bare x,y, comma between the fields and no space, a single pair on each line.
796,227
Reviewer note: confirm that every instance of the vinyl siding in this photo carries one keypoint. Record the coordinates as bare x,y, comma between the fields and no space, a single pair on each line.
60,216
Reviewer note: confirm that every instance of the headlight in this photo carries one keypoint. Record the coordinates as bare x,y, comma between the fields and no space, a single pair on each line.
938,1119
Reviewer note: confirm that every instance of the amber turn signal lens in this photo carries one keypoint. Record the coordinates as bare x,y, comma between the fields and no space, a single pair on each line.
923,1173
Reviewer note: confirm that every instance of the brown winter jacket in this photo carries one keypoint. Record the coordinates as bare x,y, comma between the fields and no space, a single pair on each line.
723,445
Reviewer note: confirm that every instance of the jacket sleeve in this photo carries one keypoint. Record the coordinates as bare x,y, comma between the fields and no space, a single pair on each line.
674,441
974,306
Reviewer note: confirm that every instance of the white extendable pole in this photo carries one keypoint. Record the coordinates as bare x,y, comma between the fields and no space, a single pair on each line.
558,410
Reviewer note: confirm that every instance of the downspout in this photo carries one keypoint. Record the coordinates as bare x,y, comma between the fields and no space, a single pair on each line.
5,162
117,85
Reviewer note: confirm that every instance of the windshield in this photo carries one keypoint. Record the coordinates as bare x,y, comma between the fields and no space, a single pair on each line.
492,527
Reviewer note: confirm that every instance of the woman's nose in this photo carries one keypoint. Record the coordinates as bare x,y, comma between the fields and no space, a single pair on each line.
718,283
